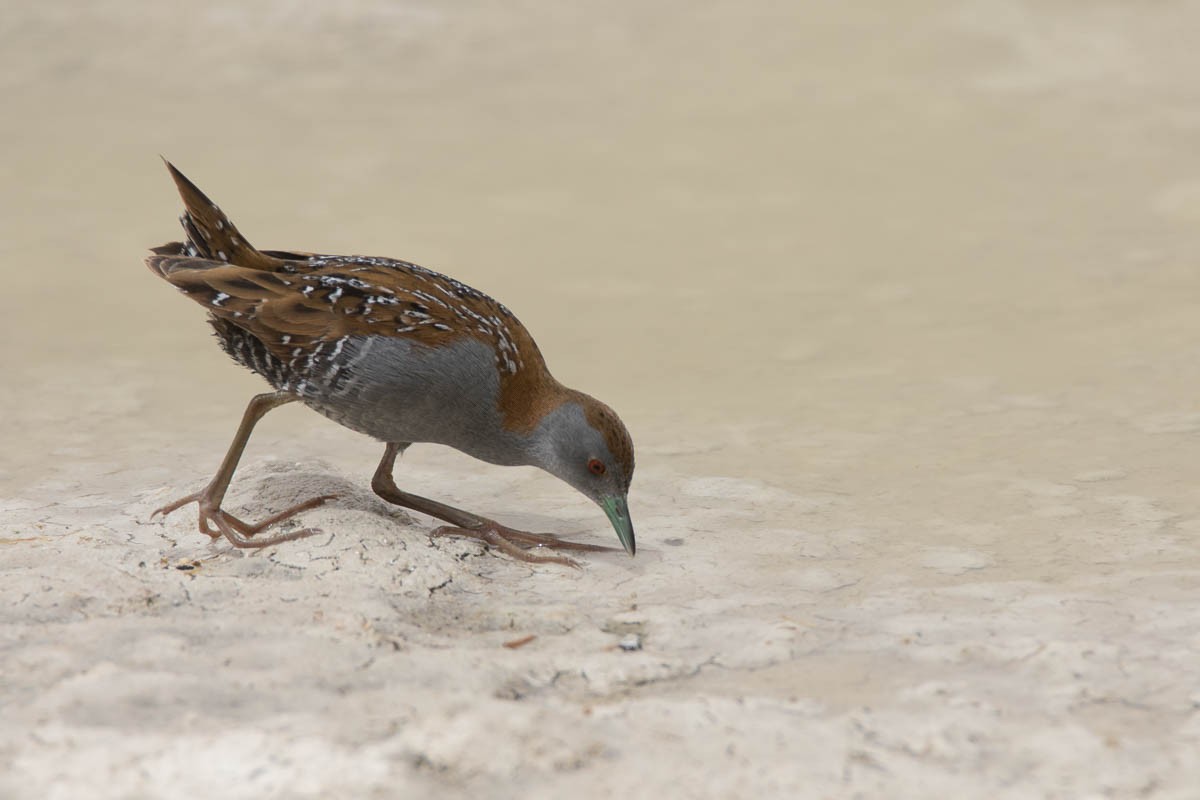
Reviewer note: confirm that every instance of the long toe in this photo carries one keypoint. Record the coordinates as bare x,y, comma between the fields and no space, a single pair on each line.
234,529
251,529
216,522
550,541
500,537
175,505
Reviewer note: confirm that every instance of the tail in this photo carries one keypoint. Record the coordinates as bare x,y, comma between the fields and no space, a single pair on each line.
210,234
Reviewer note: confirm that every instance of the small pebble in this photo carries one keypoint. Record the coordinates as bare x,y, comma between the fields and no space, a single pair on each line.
631,642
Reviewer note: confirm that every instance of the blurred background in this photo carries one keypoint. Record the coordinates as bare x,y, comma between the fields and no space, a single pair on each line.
897,299
815,245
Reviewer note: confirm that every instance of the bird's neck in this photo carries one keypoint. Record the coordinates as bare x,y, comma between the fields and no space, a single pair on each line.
544,442
527,396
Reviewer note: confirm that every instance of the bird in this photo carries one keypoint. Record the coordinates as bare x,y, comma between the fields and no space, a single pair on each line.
402,354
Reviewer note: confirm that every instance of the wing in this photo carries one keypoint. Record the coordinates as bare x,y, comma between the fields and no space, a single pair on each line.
327,298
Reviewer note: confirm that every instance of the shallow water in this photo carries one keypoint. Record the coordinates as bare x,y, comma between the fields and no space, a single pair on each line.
925,274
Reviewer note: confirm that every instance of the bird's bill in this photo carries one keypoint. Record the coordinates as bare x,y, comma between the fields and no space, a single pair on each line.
617,509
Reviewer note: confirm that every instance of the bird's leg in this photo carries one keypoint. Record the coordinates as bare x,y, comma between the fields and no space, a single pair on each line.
210,497
464,523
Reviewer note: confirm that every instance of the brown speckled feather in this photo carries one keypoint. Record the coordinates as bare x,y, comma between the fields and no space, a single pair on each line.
211,234
291,303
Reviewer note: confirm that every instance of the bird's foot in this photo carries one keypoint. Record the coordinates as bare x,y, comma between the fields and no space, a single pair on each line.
238,532
519,543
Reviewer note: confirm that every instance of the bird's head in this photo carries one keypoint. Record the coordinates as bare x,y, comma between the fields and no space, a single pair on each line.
584,442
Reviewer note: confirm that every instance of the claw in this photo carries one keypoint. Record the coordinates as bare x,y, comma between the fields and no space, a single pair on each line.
506,539
237,531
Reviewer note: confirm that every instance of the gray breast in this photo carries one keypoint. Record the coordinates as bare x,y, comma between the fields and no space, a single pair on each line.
398,391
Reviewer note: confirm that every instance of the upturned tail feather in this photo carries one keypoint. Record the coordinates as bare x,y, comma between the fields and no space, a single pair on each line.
210,234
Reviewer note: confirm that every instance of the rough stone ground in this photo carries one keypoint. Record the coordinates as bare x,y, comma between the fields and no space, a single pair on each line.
833,655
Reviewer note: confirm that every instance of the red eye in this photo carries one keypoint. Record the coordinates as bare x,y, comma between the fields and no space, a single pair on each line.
596,466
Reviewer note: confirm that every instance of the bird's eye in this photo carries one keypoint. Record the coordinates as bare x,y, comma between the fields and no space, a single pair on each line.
596,466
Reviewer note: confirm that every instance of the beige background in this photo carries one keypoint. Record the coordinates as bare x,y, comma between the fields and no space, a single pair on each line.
899,304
